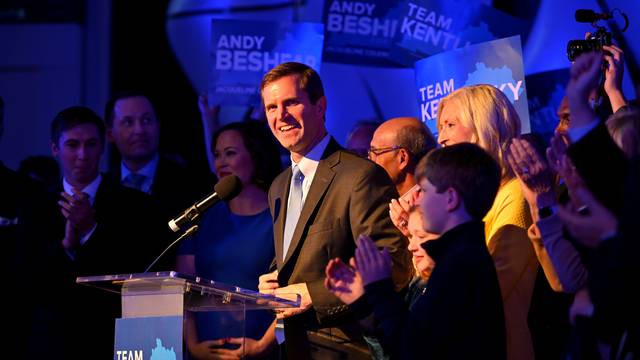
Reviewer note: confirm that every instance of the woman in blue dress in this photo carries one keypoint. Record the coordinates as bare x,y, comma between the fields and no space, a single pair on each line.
234,244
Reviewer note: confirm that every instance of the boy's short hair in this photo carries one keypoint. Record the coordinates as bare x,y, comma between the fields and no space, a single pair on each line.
467,168
73,116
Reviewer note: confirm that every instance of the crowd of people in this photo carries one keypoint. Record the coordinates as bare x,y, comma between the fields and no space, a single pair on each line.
400,246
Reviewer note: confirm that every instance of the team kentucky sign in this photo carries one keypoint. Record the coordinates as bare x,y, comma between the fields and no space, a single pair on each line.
497,63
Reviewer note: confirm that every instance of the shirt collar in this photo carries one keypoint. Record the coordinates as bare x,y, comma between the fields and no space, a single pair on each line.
309,162
91,189
148,170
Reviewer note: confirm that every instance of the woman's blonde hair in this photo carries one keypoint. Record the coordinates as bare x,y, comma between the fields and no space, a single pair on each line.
489,113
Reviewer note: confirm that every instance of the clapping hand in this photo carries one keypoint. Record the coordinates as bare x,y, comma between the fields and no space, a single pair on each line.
343,280
372,264
557,151
80,217
533,172
584,76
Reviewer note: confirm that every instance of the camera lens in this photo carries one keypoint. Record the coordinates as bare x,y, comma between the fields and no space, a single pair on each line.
577,47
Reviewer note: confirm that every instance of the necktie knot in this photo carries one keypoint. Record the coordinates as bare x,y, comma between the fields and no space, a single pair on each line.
298,176
134,181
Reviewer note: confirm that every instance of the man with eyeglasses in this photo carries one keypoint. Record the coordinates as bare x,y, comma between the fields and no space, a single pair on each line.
397,145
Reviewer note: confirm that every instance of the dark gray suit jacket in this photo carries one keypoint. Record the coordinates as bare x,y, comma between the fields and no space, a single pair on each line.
349,196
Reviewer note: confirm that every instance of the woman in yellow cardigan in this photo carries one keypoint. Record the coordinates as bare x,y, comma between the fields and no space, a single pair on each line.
483,115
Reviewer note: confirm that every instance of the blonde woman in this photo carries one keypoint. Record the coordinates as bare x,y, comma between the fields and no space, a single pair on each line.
483,115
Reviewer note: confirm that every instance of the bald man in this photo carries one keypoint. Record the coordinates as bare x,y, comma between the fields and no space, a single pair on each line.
397,145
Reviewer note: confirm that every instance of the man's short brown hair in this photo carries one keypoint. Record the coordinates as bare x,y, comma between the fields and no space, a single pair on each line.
309,79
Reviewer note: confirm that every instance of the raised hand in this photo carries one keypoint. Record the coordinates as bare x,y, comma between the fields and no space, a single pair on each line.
614,56
372,264
533,172
557,151
343,281
585,74
208,113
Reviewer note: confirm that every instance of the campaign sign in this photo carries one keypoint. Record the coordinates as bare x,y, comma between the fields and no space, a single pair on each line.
243,51
429,27
360,32
545,91
497,63
149,338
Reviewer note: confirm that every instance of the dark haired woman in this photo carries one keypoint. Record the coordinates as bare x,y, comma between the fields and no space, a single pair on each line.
234,244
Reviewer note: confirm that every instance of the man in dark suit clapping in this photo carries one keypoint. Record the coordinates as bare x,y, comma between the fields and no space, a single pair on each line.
94,227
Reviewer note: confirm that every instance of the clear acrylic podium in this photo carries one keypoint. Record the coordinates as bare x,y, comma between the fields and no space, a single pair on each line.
155,307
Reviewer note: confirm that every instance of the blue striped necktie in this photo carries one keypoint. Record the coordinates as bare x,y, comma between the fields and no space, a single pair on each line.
293,209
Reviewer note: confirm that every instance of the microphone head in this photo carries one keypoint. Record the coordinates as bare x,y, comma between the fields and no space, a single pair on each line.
228,187
587,16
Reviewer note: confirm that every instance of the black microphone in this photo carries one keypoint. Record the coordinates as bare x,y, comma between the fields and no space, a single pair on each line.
590,16
226,189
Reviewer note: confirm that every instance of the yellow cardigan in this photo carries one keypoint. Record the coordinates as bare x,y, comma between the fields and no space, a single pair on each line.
506,226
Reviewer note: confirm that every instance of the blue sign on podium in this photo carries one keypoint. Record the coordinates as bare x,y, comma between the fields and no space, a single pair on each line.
149,338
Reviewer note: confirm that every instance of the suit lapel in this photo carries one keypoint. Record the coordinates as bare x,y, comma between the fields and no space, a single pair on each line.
157,186
321,181
280,212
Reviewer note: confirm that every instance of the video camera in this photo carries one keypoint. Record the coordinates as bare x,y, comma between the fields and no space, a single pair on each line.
596,40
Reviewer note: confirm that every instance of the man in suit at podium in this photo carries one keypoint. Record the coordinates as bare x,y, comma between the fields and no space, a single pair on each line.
320,205
95,227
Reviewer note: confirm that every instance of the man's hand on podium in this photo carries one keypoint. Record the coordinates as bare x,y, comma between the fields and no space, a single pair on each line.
305,299
267,283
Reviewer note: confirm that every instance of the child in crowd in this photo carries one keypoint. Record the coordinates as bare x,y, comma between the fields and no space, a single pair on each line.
461,313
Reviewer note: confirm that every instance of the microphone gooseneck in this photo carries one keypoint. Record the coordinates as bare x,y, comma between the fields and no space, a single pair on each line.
187,233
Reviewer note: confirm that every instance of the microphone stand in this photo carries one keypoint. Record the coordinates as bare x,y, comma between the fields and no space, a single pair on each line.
187,233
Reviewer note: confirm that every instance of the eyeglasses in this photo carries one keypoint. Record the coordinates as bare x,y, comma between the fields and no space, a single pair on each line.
362,152
380,151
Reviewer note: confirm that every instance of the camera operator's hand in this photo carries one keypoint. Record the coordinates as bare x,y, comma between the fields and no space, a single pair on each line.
585,73
614,56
